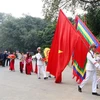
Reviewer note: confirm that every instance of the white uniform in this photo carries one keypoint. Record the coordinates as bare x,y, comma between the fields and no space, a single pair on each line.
40,65
98,59
91,71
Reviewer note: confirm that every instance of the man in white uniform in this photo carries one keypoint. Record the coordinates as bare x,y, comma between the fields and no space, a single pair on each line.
91,66
40,64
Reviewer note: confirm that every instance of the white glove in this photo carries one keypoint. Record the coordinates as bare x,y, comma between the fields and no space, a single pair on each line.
33,57
97,65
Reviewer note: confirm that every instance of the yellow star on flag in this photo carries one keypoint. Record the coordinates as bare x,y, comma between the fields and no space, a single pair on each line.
59,51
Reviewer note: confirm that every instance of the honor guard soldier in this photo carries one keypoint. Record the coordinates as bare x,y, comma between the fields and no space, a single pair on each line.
91,66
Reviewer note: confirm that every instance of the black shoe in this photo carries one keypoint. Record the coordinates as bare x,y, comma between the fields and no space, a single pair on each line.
95,93
79,89
39,77
45,78
49,76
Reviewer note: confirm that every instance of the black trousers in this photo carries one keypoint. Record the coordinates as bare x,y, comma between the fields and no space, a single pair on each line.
3,62
7,62
0,61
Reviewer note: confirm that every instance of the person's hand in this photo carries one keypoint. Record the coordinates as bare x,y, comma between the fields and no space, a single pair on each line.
42,59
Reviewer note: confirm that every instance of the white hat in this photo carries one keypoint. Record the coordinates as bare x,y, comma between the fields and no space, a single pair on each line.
39,48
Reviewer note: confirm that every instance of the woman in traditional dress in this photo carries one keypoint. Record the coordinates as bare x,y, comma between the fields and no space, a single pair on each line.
12,61
31,63
28,64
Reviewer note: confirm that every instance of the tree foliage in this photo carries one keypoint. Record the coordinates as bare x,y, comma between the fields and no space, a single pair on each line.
24,34
51,7
27,33
93,20
48,34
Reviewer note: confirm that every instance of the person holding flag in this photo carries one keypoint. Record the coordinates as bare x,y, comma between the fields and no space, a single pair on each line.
46,54
40,63
91,66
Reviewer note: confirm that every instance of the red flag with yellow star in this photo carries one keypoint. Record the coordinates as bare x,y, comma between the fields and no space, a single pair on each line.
63,44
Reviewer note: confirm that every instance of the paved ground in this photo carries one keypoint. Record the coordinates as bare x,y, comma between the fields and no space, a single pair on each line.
17,86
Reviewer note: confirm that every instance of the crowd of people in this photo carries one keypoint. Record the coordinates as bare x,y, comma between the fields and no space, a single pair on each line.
25,62
93,62
4,60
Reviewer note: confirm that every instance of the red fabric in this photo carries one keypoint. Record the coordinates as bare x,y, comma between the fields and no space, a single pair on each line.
12,65
80,51
36,69
98,49
31,66
76,20
28,66
28,69
63,44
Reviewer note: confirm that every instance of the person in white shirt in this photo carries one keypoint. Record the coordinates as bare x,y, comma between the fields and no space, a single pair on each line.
91,66
97,57
40,64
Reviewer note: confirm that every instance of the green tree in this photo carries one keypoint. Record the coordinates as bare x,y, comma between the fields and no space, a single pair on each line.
4,17
93,20
48,34
22,34
51,7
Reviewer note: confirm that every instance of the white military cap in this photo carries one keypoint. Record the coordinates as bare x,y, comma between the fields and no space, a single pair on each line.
39,48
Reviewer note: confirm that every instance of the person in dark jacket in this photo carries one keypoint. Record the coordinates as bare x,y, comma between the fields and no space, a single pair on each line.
4,58
7,59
